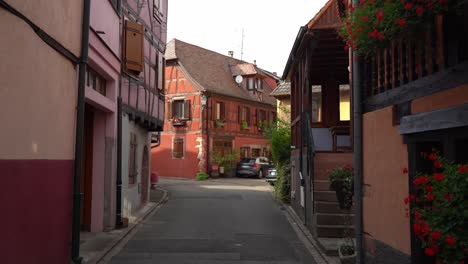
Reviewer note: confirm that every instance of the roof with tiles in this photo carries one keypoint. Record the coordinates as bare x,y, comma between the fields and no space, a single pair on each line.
213,71
284,88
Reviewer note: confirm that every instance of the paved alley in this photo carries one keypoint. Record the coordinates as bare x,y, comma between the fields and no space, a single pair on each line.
218,221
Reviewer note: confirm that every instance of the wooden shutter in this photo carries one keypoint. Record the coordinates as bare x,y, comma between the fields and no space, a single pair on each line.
178,148
239,114
187,108
248,116
223,111
213,110
133,46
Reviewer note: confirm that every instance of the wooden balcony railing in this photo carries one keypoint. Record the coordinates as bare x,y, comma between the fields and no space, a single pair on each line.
407,60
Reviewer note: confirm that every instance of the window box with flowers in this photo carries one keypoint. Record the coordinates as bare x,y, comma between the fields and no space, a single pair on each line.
439,210
373,24
178,122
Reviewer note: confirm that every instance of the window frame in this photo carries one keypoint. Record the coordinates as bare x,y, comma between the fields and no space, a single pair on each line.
157,10
185,115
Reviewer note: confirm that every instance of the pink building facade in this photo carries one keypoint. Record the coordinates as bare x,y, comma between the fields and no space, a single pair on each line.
39,93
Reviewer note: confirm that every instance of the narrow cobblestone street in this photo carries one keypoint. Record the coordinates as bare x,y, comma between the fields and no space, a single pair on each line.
217,221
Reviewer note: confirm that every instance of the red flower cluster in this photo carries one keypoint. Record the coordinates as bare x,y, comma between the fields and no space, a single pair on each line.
420,180
439,177
462,168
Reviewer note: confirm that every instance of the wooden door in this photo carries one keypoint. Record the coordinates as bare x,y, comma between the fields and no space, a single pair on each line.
87,170
144,176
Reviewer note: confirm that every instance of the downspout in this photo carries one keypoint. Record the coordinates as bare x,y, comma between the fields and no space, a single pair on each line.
118,180
118,193
80,113
357,141
207,136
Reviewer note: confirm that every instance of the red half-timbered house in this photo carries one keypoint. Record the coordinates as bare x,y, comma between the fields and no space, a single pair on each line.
215,104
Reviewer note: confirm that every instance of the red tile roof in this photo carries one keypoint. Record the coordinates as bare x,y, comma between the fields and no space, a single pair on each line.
212,71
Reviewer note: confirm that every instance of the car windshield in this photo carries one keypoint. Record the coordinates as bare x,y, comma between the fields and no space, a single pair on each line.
247,160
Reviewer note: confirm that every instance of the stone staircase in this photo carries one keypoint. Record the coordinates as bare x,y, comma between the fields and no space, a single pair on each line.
328,217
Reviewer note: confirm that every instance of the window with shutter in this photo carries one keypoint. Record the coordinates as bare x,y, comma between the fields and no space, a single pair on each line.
186,109
169,110
133,47
178,148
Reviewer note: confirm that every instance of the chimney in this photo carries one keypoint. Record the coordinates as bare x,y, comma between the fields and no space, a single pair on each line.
255,62
231,53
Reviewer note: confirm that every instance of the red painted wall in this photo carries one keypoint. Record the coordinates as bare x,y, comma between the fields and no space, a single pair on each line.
177,86
36,206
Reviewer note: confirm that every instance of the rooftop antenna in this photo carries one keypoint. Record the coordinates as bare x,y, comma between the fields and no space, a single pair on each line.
231,53
242,45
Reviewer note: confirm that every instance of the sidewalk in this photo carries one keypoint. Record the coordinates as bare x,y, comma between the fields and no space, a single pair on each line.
94,246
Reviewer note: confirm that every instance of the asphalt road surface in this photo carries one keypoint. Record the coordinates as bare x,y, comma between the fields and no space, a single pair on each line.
216,222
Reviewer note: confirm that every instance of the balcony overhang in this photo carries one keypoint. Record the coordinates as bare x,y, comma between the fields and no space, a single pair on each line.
148,122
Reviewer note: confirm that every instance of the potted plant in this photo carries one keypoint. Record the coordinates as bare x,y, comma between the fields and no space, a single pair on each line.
438,207
244,125
341,181
347,251
262,125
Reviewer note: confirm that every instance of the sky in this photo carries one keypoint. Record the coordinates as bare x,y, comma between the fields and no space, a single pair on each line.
270,27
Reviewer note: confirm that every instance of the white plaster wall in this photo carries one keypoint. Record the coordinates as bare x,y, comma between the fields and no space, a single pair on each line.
131,194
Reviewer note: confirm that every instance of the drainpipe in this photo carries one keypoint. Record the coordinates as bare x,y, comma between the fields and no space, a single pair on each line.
357,140
118,194
207,135
76,224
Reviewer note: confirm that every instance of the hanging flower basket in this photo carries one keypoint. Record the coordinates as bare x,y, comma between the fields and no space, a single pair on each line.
439,208
372,24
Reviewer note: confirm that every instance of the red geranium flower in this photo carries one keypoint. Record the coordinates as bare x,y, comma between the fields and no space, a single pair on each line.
439,177
429,5
428,188
429,251
447,197
418,215
435,235
419,10
408,6
425,228
406,200
405,170
416,228
364,18
462,169
379,15
450,240
432,156
430,197
402,22
437,164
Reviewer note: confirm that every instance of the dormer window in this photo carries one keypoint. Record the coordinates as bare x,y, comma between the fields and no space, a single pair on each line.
251,83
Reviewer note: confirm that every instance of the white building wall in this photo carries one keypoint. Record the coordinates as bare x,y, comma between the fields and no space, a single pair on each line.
131,193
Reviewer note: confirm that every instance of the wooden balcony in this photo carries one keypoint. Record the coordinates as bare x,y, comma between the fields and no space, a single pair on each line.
418,65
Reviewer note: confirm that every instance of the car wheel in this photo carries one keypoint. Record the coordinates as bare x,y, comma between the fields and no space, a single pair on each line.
260,174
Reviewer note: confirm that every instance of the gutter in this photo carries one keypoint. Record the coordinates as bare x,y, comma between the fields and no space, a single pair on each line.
358,158
291,58
80,114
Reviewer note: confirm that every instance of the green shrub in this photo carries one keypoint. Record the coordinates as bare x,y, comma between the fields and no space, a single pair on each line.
201,176
283,182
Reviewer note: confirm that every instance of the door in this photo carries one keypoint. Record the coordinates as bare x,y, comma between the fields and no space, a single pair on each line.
86,179
144,176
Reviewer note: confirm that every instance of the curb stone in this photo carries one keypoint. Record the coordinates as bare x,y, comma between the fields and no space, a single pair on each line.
304,234
116,245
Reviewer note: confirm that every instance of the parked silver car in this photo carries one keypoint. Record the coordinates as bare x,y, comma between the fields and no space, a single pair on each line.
253,167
